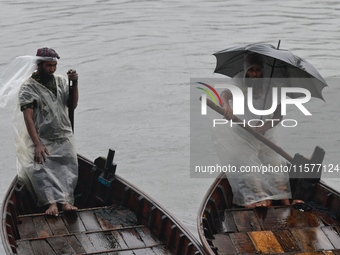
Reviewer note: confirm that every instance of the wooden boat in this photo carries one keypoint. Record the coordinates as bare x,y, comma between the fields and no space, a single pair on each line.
310,228
114,217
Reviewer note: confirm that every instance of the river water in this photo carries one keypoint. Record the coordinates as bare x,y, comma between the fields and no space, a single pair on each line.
135,60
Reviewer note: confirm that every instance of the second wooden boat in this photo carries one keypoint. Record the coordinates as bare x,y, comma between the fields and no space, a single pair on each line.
310,228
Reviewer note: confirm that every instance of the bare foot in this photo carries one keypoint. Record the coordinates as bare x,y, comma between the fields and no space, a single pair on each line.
52,209
69,207
297,201
264,203
250,206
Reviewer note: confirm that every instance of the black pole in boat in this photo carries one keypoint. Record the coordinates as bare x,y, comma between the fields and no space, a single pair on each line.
71,102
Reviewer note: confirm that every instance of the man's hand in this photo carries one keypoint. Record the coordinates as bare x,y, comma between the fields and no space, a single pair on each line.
40,153
228,112
226,96
72,75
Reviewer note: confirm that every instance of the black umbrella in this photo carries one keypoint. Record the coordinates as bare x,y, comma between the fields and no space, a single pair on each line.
279,63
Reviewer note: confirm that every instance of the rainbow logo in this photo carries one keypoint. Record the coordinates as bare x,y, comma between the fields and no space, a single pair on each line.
212,94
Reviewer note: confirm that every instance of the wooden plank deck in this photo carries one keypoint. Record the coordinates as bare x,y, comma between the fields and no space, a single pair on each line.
276,230
106,230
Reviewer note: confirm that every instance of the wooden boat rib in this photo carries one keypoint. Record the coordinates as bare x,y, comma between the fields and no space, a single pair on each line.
226,229
114,217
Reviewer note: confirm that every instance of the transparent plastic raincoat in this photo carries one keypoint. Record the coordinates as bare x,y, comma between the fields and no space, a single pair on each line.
55,179
253,181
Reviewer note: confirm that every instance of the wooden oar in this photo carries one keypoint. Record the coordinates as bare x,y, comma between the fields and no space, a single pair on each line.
304,174
259,136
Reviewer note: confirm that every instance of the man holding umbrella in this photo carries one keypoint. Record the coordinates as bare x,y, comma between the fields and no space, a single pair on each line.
252,67
252,77
46,153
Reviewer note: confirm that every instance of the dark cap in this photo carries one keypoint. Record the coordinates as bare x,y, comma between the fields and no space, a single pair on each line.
47,53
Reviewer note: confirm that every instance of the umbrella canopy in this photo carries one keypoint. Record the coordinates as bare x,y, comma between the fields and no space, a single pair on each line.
279,63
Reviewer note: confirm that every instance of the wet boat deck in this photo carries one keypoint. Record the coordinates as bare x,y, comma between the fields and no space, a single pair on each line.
274,230
308,228
104,230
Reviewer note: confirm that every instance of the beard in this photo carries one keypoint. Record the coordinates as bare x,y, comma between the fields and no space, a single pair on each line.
45,77
253,82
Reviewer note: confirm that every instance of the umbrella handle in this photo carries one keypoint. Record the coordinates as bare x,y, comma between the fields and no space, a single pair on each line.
260,137
273,67
271,75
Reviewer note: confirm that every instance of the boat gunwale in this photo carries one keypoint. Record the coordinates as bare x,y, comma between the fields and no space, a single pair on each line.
4,204
201,209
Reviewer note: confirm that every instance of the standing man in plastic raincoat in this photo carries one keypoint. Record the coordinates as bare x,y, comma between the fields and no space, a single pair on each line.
46,153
